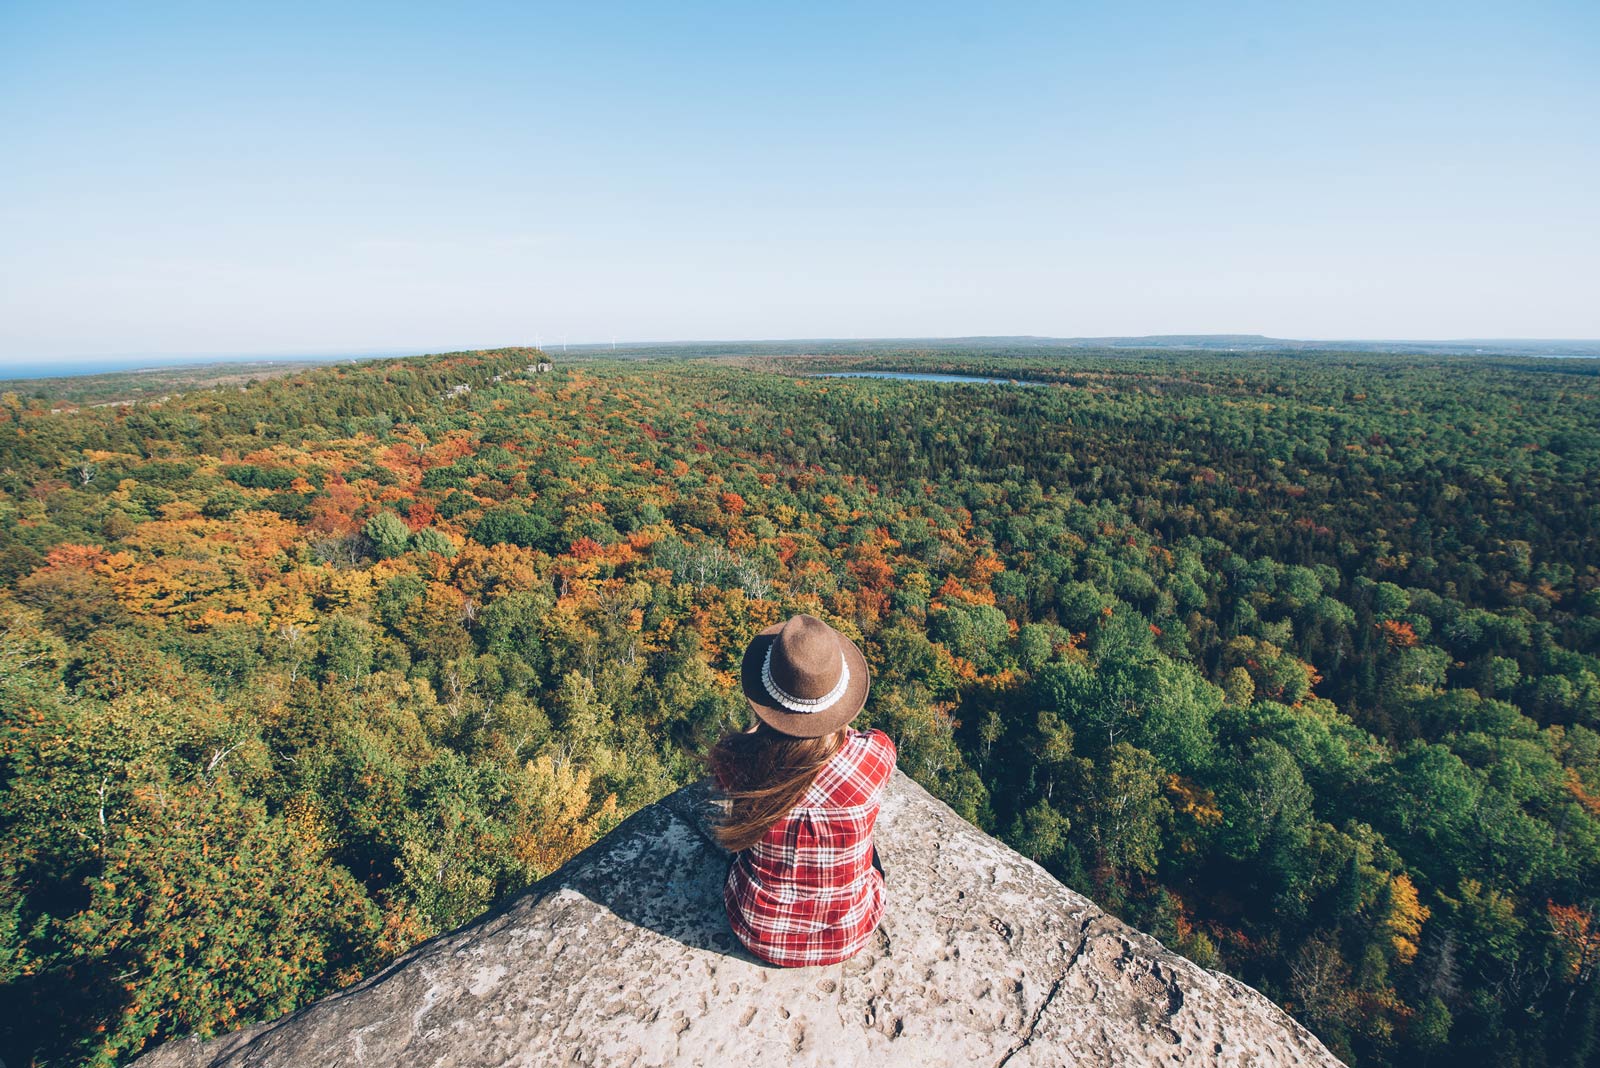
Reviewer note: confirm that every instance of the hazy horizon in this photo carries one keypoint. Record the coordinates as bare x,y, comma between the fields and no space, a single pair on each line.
72,366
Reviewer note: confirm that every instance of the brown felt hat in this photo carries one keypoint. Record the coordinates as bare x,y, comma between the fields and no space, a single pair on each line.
803,678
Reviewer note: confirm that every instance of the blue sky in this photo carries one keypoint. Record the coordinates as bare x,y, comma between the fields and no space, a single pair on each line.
303,178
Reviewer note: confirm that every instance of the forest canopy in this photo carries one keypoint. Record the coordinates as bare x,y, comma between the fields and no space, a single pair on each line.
1292,660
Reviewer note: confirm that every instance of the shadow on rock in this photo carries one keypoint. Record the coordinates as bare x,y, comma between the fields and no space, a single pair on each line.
667,878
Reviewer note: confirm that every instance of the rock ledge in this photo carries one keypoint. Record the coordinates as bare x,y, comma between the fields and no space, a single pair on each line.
623,957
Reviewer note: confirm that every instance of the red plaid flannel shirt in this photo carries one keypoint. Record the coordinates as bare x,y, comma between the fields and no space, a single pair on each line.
807,893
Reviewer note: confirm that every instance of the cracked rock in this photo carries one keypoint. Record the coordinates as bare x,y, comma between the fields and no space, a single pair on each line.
624,957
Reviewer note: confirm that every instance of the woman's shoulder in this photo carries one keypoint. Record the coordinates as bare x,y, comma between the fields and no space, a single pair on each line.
875,743
882,742
857,771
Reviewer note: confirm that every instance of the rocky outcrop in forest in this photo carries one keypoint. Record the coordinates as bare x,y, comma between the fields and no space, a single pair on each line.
623,957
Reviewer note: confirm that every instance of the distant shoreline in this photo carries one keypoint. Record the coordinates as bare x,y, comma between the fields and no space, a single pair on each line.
30,370
34,371
1220,344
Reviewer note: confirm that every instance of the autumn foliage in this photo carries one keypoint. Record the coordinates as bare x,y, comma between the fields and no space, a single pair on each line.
1292,661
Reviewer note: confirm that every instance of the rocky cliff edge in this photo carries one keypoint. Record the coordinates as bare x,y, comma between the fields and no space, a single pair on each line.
624,957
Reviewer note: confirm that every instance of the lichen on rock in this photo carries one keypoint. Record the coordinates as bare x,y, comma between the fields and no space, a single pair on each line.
624,957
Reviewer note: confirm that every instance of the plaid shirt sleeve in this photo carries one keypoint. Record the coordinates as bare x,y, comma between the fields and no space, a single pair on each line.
807,893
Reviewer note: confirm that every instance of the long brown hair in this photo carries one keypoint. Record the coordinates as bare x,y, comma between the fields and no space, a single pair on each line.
765,774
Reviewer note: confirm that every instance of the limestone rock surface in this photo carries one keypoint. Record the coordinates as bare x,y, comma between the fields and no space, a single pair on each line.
624,957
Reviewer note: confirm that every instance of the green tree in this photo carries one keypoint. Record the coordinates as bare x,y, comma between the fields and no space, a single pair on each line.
223,914
387,533
1123,809
429,540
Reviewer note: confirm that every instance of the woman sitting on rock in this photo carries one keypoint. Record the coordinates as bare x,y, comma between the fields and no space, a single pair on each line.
803,788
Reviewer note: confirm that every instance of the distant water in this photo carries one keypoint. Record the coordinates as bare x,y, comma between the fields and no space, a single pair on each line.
919,376
76,368
70,368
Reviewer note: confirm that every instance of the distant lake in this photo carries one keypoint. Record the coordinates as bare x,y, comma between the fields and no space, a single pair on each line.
918,376
71,368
